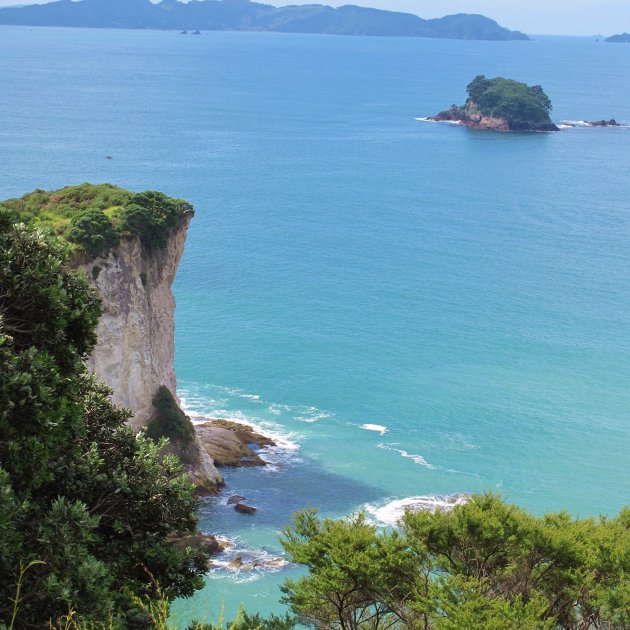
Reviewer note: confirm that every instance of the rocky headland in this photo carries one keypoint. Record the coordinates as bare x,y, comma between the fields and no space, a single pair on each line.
501,105
129,246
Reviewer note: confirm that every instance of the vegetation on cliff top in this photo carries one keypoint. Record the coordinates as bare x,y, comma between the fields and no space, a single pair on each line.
85,503
509,99
96,217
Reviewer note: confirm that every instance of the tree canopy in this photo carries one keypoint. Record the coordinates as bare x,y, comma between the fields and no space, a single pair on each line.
95,217
81,495
483,565
509,99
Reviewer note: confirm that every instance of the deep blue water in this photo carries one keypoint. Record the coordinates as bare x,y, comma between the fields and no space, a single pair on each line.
348,265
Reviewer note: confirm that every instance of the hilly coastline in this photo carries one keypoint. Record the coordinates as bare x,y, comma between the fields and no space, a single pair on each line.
243,15
623,38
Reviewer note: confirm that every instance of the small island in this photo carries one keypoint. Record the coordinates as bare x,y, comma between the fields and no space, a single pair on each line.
502,105
624,38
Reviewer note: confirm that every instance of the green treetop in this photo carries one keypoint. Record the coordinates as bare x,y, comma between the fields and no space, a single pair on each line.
509,99
485,565
95,217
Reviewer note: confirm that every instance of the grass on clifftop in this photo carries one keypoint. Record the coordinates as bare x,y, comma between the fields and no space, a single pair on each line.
95,217
509,99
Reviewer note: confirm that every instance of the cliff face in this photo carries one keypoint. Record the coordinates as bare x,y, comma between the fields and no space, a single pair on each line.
136,349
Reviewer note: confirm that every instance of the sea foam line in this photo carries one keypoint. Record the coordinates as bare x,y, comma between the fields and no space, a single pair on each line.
417,459
392,512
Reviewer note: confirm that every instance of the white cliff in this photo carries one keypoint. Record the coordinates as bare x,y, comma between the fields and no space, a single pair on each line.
135,351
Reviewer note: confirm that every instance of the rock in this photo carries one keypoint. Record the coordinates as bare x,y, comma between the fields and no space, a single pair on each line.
204,542
236,499
241,508
602,123
230,443
237,562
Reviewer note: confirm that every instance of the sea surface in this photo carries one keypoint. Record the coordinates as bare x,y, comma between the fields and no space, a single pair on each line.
416,310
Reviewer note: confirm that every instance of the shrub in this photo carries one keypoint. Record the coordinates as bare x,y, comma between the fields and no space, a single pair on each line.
169,420
94,232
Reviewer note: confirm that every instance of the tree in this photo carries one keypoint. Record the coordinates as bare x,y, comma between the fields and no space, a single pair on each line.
79,491
94,232
483,565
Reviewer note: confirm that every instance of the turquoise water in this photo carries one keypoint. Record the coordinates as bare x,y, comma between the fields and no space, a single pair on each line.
466,293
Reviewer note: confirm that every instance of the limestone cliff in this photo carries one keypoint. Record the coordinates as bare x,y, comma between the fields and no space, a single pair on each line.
136,348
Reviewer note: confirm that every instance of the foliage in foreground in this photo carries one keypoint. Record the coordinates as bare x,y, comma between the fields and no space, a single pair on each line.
96,217
505,98
250,622
484,565
82,497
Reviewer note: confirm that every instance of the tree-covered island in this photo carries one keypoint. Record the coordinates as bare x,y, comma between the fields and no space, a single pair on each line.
503,105
623,38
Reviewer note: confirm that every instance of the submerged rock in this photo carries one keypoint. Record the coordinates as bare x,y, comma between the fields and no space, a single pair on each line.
602,123
241,508
236,499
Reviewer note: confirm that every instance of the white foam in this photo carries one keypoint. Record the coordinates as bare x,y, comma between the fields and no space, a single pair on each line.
448,122
252,565
392,512
311,415
378,428
417,459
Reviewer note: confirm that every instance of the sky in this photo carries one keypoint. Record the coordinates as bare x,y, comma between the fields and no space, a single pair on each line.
555,17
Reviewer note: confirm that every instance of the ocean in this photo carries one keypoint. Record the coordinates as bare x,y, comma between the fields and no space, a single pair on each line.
416,311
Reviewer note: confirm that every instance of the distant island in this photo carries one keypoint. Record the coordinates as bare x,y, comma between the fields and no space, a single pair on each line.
624,38
243,15
503,105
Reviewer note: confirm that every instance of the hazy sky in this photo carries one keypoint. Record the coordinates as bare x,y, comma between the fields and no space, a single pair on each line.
562,17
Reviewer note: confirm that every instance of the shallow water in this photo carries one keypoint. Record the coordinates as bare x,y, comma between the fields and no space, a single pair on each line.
420,310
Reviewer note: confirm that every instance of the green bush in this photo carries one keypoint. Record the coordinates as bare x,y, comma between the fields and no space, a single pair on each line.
169,420
150,215
250,622
94,232
94,217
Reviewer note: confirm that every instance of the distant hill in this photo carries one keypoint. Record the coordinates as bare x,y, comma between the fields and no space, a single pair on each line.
243,15
624,38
